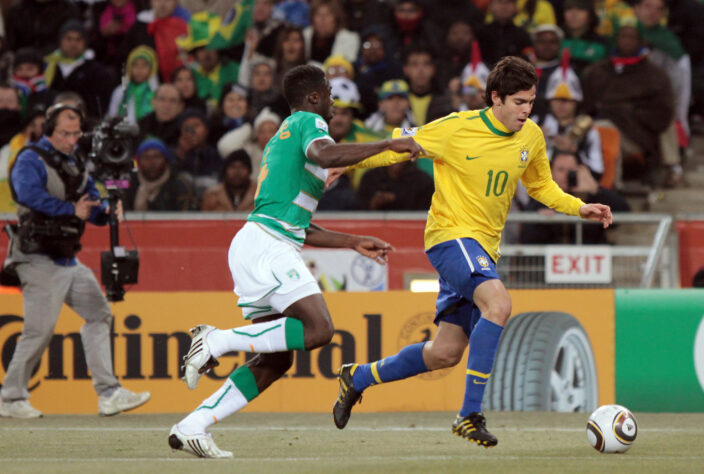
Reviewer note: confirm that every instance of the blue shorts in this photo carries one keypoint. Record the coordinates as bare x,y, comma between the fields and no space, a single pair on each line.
462,265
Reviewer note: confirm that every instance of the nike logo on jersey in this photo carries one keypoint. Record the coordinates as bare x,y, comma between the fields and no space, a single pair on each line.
472,157
478,383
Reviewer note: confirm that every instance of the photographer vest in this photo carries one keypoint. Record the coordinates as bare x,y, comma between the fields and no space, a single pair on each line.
57,236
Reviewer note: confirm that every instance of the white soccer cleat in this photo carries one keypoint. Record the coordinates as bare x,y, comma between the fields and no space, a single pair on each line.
121,400
201,445
19,409
198,361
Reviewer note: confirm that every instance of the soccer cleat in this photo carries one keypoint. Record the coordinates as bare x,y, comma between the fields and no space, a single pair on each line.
19,409
473,428
201,445
347,397
121,400
198,360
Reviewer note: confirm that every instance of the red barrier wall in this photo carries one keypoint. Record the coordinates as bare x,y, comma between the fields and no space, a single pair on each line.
691,242
178,255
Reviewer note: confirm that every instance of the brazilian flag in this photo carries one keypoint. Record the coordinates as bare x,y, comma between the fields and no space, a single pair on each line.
234,26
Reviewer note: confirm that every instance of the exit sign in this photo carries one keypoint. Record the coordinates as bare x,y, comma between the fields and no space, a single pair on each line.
578,264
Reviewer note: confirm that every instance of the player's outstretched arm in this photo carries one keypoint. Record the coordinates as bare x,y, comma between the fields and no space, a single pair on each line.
597,212
370,247
334,155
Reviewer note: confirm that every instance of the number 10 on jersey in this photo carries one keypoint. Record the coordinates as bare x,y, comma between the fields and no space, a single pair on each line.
496,184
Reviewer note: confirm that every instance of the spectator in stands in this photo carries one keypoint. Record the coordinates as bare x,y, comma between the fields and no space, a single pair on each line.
398,187
667,52
163,122
453,10
290,52
212,73
394,108
197,161
427,102
374,66
338,66
457,52
564,130
633,93
115,21
576,179
263,91
265,29
28,78
327,35
31,132
73,67
531,14
10,113
185,81
235,191
155,187
468,90
579,25
158,28
546,46
502,37
142,73
219,7
411,25
232,113
252,139
36,23
611,13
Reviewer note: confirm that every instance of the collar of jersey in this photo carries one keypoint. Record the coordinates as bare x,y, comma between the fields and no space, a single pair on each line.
496,127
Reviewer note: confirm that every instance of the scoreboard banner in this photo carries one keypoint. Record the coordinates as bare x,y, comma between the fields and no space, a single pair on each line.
150,337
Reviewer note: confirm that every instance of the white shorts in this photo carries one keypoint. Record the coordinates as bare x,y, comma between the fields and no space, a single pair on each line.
269,273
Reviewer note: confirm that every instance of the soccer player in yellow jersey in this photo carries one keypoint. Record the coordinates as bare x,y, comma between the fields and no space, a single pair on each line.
479,156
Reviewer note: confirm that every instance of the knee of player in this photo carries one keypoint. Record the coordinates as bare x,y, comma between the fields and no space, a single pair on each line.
500,310
319,334
445,356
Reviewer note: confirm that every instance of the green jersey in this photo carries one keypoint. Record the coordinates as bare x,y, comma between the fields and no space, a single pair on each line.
290,185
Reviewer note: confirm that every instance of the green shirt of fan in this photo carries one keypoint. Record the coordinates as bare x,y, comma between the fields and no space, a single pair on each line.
290,185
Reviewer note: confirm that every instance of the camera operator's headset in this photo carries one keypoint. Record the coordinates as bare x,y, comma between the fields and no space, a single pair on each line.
52,116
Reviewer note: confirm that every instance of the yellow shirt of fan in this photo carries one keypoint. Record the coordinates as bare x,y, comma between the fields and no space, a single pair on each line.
477,163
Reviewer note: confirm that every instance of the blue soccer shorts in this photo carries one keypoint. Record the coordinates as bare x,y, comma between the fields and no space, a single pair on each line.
462,265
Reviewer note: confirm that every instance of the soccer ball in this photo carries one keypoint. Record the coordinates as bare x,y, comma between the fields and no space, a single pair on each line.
611,429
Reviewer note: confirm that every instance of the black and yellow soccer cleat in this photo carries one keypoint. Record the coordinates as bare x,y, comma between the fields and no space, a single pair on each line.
473,428
347,397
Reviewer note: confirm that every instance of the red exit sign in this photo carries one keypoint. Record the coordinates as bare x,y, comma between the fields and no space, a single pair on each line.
578,264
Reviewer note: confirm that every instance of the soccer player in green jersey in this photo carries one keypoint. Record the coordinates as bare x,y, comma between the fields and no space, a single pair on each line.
478,156
275,288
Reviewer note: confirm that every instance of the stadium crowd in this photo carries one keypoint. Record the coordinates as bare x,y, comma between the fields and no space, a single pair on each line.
618,85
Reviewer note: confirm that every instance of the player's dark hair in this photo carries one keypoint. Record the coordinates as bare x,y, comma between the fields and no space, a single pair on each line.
301,81
510,75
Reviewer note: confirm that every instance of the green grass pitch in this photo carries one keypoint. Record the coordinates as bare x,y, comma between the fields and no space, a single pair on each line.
382,442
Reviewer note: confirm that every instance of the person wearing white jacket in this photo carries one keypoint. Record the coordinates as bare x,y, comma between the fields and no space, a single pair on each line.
327,36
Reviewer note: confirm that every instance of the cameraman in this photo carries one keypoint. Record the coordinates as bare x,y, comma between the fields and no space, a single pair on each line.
576,179
55,195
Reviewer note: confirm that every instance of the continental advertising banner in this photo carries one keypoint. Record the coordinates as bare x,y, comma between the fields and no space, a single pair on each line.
150,337
660,350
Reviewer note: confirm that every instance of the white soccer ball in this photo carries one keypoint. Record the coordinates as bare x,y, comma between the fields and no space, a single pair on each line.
612,429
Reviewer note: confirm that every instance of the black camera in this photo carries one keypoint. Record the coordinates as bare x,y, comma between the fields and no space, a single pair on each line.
111,150
571,179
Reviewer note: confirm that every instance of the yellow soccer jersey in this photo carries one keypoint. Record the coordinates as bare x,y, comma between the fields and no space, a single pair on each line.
477,163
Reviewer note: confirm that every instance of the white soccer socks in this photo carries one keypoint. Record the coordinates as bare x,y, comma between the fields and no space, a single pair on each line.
280,335
237,391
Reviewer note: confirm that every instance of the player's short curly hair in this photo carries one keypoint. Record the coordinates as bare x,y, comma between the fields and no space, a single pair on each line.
510,75
301,81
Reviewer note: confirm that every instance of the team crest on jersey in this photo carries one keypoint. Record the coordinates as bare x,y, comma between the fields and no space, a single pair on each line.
321,124
483,261
293,274
524,157
410,131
